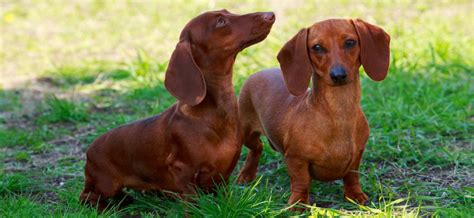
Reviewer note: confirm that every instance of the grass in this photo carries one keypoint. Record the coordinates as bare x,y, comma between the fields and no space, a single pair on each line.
60,110
71,72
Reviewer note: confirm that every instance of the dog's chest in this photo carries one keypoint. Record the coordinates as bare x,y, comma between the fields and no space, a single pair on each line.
219,159
330,147
332,161
228,147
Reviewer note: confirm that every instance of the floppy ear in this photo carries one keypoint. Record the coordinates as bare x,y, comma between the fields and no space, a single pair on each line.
184,79
374,49
295,63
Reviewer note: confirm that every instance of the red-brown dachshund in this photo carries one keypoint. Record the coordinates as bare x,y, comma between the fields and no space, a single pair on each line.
322,131
197,141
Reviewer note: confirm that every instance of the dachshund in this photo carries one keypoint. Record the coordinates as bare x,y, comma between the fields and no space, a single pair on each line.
321,131
197,141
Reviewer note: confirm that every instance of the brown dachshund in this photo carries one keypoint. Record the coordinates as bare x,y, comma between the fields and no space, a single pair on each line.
197,141
322,131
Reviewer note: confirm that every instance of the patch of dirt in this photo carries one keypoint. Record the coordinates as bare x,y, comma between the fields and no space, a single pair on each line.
48,81
23,122
464,145
48,196
66,147
451,176
69,147
269,167
31,95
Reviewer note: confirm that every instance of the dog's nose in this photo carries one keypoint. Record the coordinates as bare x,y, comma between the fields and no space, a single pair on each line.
268,16
338,74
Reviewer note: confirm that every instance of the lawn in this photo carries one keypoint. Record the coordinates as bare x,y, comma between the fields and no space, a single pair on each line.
71,71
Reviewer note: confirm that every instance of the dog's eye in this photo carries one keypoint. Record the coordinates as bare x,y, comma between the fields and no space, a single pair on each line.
220,22
349,43
319,49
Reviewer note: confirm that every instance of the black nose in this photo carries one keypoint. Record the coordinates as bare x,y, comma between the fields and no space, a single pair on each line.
338,74
268,16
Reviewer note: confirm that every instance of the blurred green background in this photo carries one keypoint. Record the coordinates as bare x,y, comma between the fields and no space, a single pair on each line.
71,70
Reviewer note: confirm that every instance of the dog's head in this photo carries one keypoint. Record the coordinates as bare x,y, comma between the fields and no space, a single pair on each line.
209,44
334,49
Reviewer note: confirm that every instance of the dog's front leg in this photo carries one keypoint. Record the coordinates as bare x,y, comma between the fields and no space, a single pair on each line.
248,172
298,169
184,179
352,187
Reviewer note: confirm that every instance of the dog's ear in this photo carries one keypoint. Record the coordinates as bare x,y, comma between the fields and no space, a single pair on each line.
374,45
295,63
184,80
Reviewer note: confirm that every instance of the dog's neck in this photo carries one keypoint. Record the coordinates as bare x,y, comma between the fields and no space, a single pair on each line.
220,94
337,101
219,88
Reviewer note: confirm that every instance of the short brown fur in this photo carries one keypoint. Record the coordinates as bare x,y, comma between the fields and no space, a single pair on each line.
197,141
322,131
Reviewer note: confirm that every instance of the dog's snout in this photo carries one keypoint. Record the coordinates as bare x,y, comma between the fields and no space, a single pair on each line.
268,16
338,74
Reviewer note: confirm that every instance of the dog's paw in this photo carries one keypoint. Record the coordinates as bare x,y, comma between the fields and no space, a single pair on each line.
245,177
297,201
297,208
359,197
